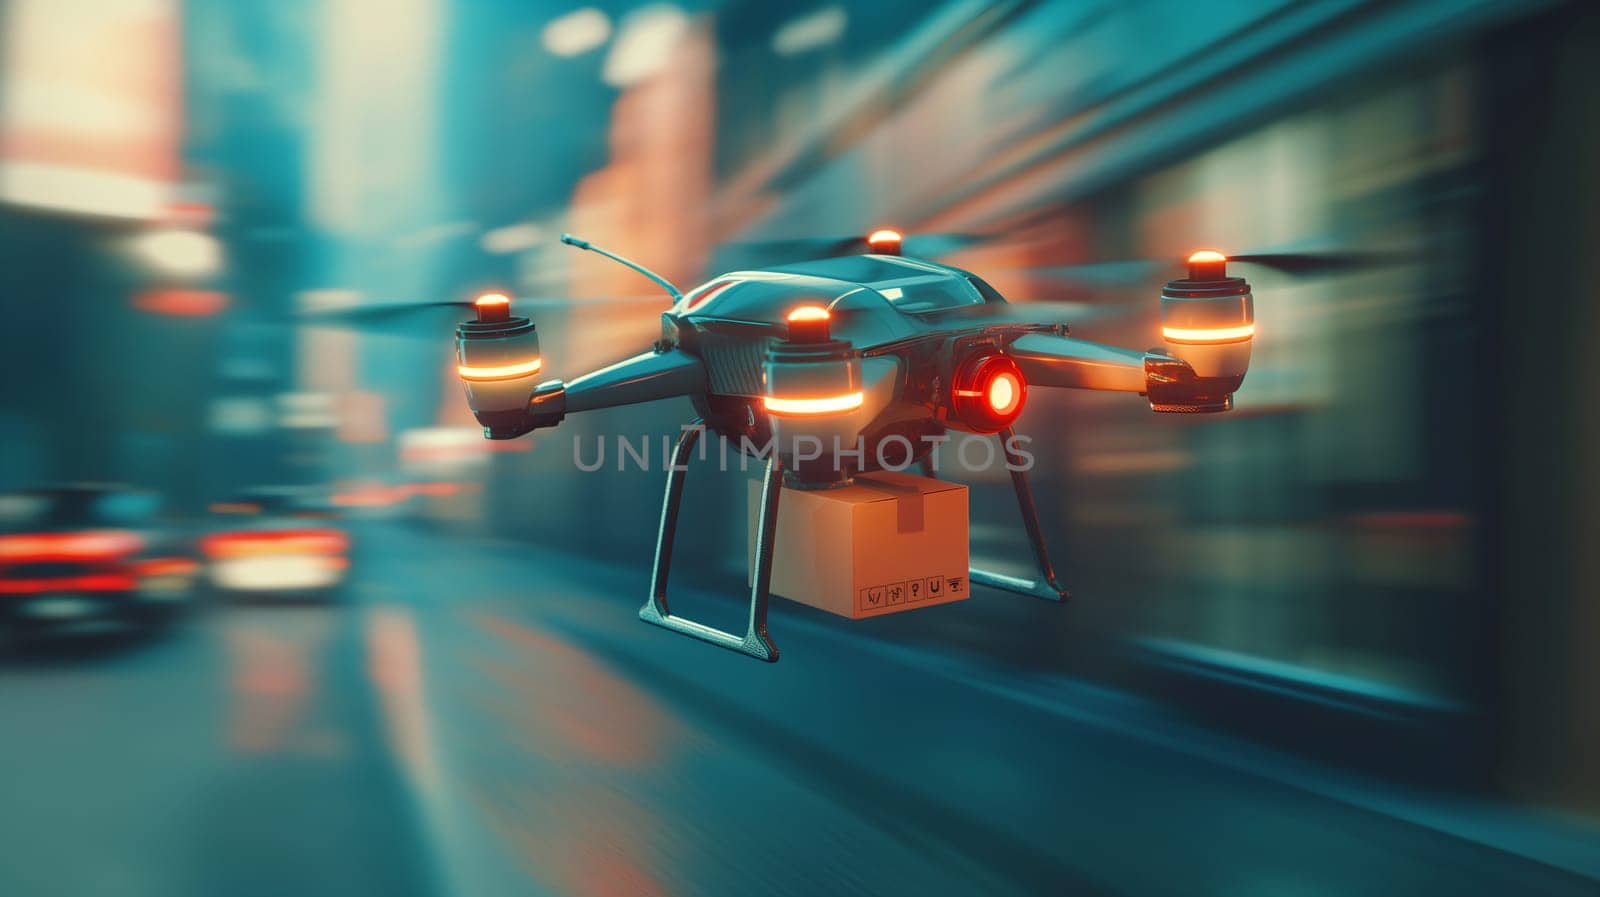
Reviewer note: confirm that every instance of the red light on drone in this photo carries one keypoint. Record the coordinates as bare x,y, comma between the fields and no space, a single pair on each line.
989,392
810,406
1004,393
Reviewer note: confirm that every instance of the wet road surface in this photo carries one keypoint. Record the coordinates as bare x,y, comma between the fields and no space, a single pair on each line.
486,719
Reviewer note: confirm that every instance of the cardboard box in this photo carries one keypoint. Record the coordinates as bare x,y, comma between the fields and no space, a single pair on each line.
889,542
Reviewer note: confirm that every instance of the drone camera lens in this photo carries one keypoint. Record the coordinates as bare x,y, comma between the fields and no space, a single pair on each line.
987,393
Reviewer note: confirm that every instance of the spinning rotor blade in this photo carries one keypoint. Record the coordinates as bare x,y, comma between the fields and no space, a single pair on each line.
1138,272
800,249
932,245
400,315
1312,263
391,312
808,248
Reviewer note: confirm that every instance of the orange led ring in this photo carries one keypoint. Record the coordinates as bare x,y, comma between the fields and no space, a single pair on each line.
1209,334
821,405
501,372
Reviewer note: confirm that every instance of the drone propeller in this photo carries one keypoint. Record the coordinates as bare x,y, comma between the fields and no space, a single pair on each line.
1138,272
1314,263
401,316
886,241
376,314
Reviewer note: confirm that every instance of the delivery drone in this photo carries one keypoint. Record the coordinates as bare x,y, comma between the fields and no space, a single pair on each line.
854,363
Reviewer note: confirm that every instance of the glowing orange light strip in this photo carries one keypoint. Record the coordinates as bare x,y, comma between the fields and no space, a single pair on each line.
503,372
824,405
1209,334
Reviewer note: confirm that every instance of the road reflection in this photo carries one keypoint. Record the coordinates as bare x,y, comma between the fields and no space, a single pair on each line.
274,657
577,822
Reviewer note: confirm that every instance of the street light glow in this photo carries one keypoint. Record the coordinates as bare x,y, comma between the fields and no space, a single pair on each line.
577,32
180,252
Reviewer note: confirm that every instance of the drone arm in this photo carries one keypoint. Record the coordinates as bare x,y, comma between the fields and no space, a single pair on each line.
1169,382
643,378
1049,360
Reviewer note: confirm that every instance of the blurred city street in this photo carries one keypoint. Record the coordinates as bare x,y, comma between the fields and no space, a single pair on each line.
480,718
344,345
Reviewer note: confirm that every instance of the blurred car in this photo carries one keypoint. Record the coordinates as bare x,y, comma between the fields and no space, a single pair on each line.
276,543
89,558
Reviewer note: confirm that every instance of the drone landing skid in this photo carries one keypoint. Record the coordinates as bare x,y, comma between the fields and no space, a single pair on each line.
755,642
1046,587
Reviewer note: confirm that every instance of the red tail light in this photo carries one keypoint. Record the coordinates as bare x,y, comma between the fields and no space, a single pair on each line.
90,545
91,582
275,542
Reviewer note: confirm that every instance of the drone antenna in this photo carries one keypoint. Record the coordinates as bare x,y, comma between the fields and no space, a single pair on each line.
570,240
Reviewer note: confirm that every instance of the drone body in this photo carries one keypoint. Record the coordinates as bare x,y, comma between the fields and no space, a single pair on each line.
856,363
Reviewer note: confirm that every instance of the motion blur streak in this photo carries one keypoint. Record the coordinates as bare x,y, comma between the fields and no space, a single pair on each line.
394,663
273,679
275,618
